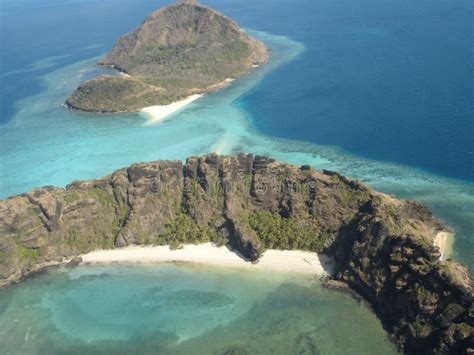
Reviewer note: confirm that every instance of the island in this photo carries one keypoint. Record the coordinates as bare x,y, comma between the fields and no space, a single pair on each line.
181,50
381,247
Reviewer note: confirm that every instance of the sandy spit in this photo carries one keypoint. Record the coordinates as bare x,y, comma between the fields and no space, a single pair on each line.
160,112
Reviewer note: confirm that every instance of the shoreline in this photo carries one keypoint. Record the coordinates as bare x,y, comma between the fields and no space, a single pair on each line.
208,254
287,261
158,113
444,241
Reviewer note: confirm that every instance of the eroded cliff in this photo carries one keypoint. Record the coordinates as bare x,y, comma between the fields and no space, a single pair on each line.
383,247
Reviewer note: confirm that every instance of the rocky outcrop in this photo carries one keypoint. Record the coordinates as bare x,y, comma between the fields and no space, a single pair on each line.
384,255
182,49
383,247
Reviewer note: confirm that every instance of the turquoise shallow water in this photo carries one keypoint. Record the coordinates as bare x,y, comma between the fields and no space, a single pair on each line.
298,94
69,145
176,309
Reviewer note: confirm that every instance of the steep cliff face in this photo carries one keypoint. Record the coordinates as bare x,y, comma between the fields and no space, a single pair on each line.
386,255
182,49
383,247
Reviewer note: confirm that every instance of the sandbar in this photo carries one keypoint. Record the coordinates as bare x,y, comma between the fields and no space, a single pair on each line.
160,112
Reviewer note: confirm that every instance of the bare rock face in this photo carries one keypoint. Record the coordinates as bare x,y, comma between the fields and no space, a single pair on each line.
182,49
426,303
383,247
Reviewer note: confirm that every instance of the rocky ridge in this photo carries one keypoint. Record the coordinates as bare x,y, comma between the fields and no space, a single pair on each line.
382,247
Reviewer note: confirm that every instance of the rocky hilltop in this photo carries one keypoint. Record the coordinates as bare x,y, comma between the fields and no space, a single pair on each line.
382,247
182,49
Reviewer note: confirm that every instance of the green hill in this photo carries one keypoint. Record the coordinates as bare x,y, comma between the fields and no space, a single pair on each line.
182,49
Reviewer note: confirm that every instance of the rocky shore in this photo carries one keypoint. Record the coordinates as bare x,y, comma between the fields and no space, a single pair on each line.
383,248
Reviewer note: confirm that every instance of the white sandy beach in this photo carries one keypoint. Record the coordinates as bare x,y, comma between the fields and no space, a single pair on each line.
209,254
159,113
444,241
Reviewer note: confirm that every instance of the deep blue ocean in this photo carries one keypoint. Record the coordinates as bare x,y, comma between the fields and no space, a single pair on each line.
380,90
390,80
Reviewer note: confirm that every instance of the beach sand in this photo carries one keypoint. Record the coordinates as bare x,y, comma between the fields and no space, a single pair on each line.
444,241
209,254
159,113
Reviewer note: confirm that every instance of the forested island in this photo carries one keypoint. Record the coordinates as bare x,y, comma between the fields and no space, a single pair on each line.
180,50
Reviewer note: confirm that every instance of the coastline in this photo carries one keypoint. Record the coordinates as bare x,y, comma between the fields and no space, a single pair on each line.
207,253
160,112
296,261
444,241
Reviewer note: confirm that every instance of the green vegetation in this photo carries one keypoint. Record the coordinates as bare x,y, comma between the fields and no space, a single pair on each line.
422,293
452,310
391,210
350,196
101,196
335,178
27,254
72,196
122,215
300,187
412,224
179,50
422,328
116,94
183,229
284,175
83,242
276,232
464,330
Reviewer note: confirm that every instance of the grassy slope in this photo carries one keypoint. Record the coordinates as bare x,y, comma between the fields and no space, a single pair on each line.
179,50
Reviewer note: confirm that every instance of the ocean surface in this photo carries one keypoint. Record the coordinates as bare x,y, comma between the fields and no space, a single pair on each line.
380,90
172,309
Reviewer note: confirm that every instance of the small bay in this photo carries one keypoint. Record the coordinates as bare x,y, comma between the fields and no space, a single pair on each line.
179,309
